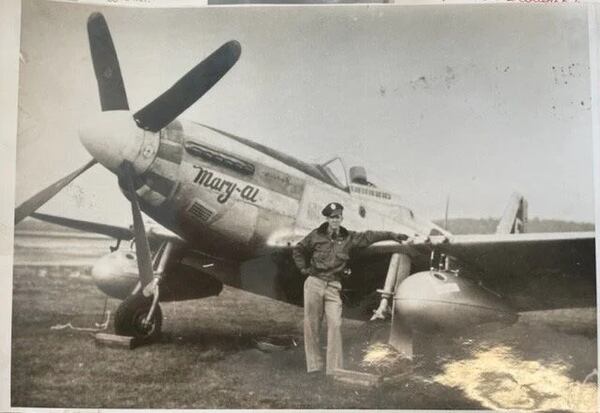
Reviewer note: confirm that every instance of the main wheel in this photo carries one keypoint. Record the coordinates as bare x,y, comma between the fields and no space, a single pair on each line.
130,316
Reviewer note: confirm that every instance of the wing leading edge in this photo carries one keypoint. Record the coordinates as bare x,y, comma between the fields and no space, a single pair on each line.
514,252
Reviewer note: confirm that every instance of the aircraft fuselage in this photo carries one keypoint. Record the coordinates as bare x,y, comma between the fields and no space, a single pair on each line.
232,197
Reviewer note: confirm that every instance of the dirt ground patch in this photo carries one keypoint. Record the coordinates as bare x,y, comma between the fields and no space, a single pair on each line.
207,358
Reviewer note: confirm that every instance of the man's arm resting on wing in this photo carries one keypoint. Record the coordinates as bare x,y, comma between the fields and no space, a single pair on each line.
366,238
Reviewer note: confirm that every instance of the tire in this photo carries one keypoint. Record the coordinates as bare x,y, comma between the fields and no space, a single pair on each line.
130,314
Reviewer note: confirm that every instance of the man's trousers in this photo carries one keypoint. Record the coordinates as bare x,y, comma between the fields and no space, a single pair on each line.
322,297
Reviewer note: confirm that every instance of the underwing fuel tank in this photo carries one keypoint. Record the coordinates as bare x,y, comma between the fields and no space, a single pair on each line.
438,301
116,275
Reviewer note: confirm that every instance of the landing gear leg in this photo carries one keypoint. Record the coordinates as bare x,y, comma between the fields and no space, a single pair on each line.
401,337
139,315
388,289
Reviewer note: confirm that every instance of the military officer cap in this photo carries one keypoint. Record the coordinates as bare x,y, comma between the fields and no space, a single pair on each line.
332,209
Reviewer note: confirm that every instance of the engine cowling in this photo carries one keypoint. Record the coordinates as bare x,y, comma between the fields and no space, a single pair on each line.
442,301
116,275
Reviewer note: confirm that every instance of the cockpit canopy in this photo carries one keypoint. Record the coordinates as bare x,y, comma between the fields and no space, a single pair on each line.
334,171
358,175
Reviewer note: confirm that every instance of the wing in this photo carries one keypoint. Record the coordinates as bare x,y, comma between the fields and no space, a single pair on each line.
505,252
532,270
574,251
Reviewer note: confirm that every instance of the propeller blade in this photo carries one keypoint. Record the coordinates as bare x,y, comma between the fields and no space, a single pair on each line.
142,248
106,65
87,226
39,199
191,87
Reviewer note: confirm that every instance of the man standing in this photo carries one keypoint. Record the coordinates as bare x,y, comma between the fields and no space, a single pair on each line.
322,256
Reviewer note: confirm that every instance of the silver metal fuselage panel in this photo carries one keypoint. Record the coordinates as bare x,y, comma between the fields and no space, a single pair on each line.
226,196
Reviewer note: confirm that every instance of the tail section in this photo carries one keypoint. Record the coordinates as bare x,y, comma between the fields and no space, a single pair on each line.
514,219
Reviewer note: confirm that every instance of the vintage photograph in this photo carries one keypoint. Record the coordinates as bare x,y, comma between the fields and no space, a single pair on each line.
305,207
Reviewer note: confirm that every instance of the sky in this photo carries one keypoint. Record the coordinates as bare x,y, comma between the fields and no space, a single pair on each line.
471,102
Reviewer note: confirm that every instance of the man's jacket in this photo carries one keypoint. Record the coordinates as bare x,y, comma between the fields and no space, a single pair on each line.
320,255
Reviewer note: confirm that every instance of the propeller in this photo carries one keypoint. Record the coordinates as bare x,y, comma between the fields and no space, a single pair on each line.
187,90
171,103
113,148
153,117
142,248
112,231
40,198
106,65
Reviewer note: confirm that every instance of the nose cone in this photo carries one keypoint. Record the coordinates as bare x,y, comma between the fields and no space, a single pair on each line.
112,137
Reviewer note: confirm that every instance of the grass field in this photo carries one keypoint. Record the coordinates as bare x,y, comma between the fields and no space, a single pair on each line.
208,359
